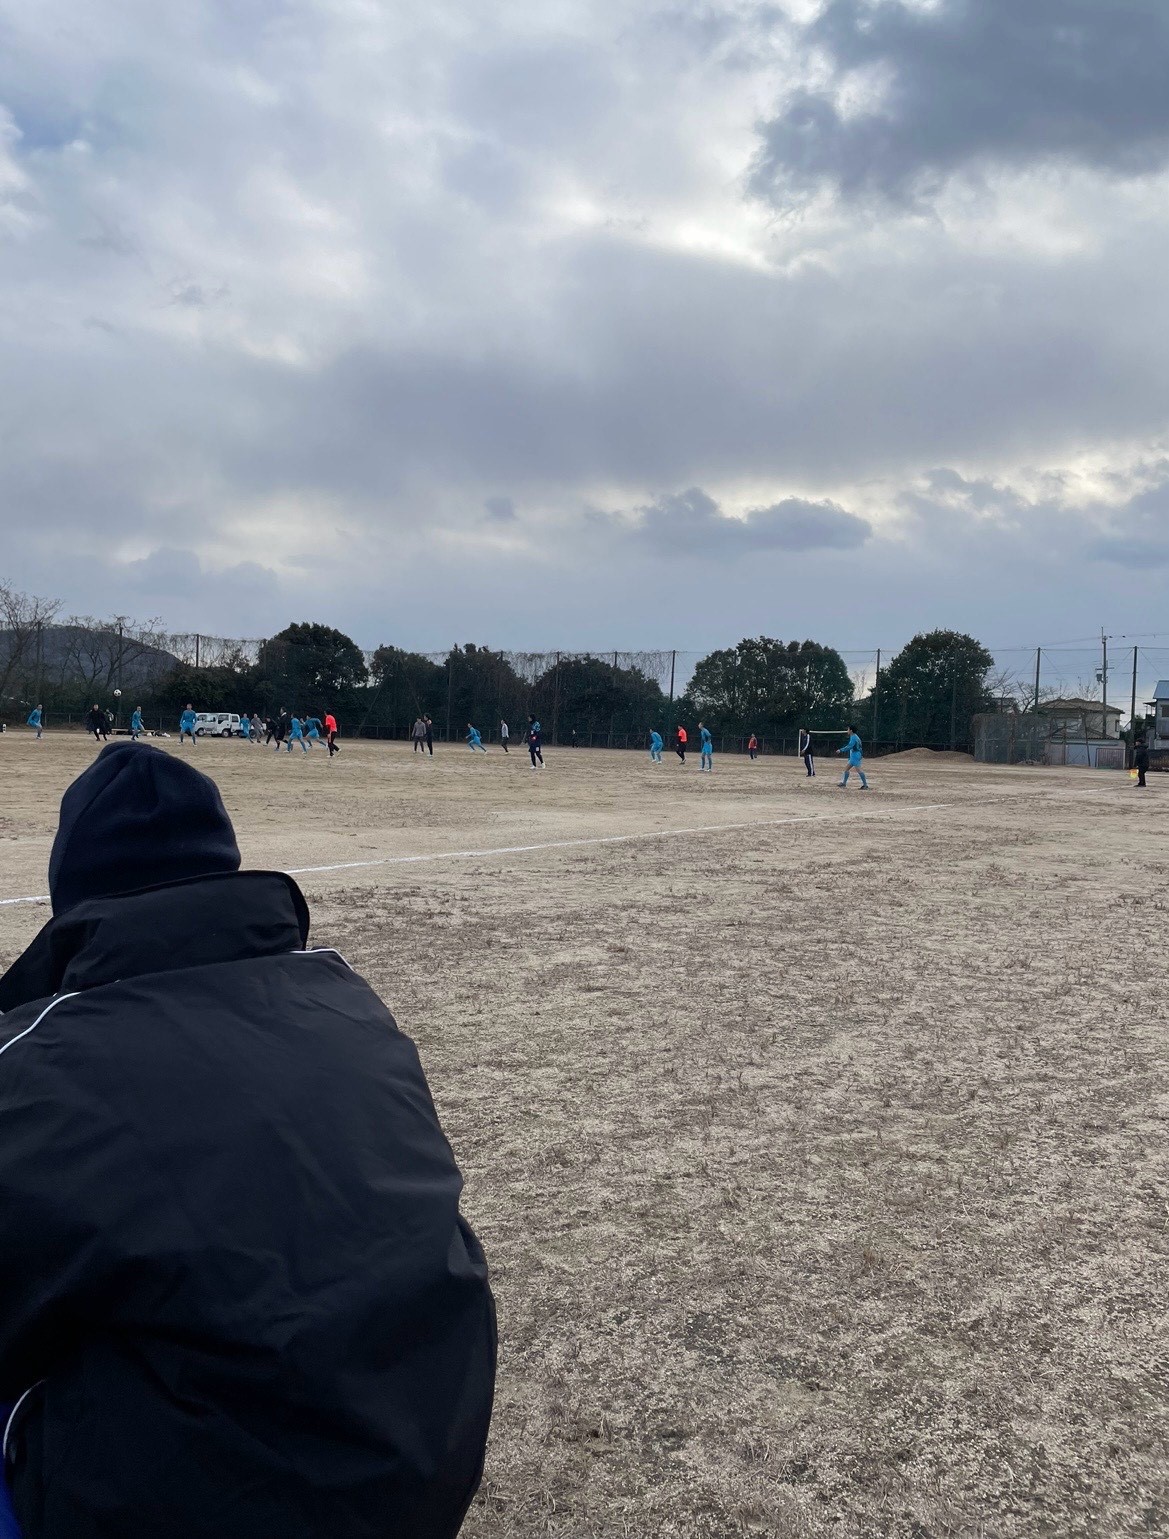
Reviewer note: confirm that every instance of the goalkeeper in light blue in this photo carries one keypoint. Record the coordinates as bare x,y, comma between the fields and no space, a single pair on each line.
855,756
655,747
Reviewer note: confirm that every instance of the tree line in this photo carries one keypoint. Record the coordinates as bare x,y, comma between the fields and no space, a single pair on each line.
928,693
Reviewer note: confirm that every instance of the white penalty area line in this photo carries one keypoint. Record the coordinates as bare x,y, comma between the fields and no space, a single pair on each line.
572,844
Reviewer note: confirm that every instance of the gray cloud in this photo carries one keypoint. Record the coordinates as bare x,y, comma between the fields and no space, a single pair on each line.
308,309
973,84
500,510
692,523
1138,533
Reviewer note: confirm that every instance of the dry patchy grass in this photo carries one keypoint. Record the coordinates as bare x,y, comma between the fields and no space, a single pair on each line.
821,1166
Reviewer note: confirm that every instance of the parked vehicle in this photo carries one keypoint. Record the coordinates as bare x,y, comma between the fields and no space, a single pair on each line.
216,724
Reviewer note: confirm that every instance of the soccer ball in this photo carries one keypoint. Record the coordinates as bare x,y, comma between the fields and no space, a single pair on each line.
117,694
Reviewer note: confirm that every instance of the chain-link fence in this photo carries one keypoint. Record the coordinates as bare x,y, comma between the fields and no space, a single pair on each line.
590,698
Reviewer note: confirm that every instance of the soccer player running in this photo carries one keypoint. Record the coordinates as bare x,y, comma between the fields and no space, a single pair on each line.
655,747
680,743
707,761
504,734
313,731
331,733
296,735
805,751
474,740
855,755
96,723
36,719
136,723
535,742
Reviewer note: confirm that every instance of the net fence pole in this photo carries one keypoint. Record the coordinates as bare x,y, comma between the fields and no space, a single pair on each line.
953,712
877,698
1104,683
1038,666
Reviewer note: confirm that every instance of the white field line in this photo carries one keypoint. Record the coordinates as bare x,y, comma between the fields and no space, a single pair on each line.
568,844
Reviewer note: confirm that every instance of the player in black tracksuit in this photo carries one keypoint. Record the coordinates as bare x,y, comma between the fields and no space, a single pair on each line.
1140,762
237,1299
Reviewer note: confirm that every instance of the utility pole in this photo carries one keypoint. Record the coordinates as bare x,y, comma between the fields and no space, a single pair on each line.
450,674
877,700
1038,665
1104,684
1132,731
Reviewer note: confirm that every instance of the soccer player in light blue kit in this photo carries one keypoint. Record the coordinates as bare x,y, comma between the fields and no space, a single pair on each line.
35,719
855,754
245,728
707,750
136,723
314,730
655,747
473,739
187,727
296,735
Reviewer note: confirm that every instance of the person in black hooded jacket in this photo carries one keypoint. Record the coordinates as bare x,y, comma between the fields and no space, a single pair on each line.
237,1298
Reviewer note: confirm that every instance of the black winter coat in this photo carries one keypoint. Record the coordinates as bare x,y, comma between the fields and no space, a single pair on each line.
236,1294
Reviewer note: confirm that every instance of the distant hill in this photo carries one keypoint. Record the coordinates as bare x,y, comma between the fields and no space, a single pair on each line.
69,657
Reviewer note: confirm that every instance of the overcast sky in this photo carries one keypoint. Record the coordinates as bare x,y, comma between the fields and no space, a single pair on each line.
606,324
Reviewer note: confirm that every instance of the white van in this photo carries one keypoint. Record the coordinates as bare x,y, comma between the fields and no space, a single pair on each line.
216,724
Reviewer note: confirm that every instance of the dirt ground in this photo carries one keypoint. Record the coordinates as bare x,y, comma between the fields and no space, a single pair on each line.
820,1154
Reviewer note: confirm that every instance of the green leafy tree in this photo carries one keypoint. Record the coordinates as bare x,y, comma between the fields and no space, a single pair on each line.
406,685
931,691
309,665
208,689
590,696
483,687
770,686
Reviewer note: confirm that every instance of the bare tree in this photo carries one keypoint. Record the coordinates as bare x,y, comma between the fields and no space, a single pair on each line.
104,654
23,618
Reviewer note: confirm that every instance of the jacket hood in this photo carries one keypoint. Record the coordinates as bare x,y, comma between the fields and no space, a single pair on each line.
137,817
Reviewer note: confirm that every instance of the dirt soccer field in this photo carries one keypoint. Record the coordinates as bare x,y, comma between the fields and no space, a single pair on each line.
818,1145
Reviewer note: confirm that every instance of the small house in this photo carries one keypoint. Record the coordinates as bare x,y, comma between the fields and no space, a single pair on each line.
1083,732
1159,705
1077,719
